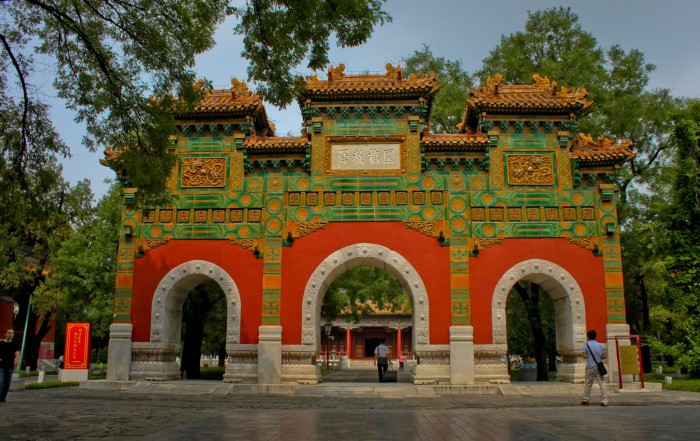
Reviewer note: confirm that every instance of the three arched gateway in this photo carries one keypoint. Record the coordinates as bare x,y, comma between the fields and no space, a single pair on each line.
516,195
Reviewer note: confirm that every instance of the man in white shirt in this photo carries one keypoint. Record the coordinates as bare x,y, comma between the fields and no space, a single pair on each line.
381,359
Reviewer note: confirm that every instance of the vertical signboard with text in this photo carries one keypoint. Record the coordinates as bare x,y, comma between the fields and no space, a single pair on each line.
77,354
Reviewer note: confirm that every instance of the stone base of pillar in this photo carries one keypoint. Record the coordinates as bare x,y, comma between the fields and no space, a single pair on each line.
242,366
571,372
433,366
461,355
270,355
298,366
119,352
154,362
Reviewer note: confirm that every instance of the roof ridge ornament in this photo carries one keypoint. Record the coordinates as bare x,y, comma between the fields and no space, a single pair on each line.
336,73
393,72
545,84
240,89
492,83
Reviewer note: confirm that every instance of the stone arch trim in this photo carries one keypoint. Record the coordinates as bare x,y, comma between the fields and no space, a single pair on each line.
166,306
364,254
560,285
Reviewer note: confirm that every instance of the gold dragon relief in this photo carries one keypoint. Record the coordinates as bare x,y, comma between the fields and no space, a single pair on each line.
203,172
530,169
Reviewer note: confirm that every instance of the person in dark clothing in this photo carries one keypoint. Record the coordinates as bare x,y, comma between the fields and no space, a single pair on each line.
9,360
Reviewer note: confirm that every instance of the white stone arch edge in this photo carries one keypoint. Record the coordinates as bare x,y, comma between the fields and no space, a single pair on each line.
561,286
364,254
166,306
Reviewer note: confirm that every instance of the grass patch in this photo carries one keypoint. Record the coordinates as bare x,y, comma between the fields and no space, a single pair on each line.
212,373
681,384
51,384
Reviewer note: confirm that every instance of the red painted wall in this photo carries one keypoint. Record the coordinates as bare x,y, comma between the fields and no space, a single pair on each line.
239,263
430,260
489,266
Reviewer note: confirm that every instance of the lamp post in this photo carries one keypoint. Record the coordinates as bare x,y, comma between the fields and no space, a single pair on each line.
327,328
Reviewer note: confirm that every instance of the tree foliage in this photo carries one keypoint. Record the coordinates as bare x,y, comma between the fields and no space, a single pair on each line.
361,291
454,81
280,35
116,64
37,216
675,316
80,283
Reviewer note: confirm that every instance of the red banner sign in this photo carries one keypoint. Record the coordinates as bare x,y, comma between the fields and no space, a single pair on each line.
77,346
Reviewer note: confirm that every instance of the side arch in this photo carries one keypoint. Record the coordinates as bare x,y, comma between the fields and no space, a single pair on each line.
169,297
364,254
569,306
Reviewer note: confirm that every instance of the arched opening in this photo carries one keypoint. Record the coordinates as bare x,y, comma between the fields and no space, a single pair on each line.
203,338
362,307
157,359
568,311
532,347
349,257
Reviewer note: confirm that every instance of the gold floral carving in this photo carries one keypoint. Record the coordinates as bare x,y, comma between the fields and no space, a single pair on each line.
427,228
487,243
530,170
203,172
305,228
155,243
582,242
248,244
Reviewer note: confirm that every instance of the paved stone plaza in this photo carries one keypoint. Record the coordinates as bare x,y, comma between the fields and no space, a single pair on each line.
337,412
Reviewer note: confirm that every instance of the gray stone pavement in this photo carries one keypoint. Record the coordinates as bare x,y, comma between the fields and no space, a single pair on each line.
188,410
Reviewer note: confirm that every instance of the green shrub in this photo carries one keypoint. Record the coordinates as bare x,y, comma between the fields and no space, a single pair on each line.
52,383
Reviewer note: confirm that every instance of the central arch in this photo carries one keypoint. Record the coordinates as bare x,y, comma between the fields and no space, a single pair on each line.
363,254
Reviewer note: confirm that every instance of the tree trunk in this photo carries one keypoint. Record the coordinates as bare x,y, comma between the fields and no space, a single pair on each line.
531,298
192,351
222,355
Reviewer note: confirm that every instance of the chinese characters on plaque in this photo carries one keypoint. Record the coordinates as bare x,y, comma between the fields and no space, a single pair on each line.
371,156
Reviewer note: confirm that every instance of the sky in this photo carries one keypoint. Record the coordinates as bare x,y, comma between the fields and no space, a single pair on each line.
666,32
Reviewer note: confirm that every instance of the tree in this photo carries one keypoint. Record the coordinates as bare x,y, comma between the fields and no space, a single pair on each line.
80,283
454,81
279,35
37,216
677,315
360,290
108,58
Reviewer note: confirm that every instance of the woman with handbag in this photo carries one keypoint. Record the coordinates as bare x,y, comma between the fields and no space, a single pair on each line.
595,370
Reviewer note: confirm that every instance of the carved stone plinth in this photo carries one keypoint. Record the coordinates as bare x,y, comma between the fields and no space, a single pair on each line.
154,362
243,364
434,365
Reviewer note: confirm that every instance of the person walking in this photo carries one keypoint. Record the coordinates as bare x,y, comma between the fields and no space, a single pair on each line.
594,353
402,359
381,359
9,360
